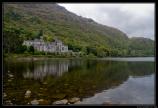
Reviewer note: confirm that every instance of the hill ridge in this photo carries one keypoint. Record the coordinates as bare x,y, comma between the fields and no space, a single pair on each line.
79,33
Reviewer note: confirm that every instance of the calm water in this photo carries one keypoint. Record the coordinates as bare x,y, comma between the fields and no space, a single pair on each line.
95,81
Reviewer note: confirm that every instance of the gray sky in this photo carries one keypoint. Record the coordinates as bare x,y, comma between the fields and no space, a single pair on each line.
134,19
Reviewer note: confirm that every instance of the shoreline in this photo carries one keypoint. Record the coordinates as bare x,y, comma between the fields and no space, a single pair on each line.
40,57
49,55
23,56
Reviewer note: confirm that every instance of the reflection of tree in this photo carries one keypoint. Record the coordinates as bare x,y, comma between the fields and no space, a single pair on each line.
141,68
82,77
97,76
75,64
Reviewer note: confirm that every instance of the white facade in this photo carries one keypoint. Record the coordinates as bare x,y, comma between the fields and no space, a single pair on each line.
40,45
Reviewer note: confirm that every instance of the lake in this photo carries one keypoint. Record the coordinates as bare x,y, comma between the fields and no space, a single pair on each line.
94,81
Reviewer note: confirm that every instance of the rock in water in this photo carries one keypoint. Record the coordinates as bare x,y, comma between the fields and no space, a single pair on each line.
73,100
8,102
57,102
78,102
64,101
9,80
59,96
40,100
43,102
107,103
44,82
10,75
4,95
27,94
34,102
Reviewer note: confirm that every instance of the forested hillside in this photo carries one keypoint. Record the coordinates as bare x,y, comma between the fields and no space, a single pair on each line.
29,21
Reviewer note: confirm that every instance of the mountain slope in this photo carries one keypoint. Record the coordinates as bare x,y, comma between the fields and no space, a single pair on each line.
140,44
51,20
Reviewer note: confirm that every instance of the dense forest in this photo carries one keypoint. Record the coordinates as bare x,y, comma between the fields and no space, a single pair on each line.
82,35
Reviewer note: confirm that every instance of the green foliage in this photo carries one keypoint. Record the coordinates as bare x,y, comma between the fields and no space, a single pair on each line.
91,55
39,34
48,38
12,40
141,47
80,34
74,48
13,15
21,49
31,49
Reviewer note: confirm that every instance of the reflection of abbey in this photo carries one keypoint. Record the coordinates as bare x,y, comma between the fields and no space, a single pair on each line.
41,70
40,45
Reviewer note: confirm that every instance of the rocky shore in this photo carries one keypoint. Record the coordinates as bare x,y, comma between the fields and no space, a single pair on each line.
71,101
28,93
29,101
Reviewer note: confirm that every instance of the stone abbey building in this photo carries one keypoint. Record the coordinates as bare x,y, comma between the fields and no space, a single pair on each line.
40,45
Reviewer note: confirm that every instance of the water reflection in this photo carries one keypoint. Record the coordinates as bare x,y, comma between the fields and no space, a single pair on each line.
69,77
47,68
140,91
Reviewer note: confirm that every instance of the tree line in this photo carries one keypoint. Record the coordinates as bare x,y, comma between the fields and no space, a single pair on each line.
13,39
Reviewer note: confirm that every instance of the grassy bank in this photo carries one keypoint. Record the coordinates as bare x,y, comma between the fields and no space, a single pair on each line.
30,56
